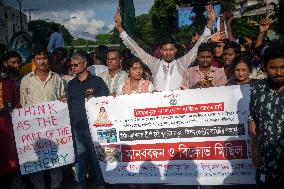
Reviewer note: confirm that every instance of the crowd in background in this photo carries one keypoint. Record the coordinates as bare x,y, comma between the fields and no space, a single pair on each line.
211,60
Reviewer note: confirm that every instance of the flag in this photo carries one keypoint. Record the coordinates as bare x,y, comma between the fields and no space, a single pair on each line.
128,18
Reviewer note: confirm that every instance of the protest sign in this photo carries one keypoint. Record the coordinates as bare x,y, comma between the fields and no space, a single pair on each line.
196,136
43,136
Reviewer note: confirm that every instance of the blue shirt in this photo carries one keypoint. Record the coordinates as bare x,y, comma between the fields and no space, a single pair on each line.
77,92
55,41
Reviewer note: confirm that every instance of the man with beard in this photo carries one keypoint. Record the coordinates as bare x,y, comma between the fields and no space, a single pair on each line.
12,66
267,124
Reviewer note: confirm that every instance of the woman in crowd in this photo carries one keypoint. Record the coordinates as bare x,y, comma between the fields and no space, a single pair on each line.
241,69
135,84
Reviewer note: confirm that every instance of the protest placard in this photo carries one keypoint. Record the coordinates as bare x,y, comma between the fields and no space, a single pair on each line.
43,136
185,137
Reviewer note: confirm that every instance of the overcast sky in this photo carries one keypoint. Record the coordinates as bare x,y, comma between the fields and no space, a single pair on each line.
92,16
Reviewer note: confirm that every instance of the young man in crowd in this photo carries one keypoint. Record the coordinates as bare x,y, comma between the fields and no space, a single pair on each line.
230,51
267,124
42,85
204,75
83,86
12,65
115,76
167,71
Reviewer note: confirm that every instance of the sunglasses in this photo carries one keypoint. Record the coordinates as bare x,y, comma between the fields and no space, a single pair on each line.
75,65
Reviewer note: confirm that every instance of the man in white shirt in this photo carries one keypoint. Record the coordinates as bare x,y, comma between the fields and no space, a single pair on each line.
115,76
168,71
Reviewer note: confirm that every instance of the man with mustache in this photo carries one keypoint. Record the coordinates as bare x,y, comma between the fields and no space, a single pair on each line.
267,124
167,71
204,75
42,85
12,66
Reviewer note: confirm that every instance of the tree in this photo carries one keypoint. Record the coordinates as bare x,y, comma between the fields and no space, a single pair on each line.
40,30
114,39
244,27
145,32
82,41
164,18
103,39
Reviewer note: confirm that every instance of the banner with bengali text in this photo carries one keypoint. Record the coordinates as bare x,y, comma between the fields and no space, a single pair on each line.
187,137
43,136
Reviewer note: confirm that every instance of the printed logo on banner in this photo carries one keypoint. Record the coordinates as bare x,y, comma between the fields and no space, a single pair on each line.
102,119
173,102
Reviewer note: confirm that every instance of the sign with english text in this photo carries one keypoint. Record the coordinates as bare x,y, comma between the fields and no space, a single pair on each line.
43,136
187,137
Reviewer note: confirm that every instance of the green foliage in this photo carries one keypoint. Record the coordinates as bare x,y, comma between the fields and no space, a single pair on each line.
183,35
243,27
103,39
145,32
114,38
82,41
40,29
164,18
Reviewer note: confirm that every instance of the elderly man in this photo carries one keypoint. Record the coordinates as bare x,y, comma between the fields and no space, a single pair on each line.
40,86
168,71
115,76
83,86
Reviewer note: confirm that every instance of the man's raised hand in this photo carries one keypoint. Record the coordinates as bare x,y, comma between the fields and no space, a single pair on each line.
118,21
211,16
218,37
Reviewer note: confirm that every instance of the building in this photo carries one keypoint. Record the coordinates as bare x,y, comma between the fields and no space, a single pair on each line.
255,8
10,23
13,22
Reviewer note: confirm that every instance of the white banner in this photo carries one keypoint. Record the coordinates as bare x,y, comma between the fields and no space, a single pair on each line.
185,137
43,136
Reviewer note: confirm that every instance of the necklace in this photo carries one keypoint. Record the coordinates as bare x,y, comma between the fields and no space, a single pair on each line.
113,87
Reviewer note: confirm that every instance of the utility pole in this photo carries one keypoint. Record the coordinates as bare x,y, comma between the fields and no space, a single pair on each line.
20,7
30,10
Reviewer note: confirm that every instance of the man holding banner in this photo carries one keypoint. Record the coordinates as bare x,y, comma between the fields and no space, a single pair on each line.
84,86
40,86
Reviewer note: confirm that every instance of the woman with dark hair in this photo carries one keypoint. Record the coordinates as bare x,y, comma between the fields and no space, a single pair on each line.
135,83
241,70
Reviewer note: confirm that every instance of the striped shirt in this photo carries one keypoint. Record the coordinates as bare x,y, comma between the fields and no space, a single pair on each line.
34,91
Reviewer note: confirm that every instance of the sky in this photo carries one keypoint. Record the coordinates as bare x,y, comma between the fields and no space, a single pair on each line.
92,16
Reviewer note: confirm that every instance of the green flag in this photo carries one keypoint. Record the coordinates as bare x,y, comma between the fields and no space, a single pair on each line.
128,18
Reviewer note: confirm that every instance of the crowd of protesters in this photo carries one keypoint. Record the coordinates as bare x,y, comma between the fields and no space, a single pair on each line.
212,60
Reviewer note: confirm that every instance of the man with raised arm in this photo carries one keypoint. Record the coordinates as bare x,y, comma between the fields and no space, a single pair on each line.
167,71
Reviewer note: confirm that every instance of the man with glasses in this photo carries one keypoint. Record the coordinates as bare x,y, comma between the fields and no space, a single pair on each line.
42,85
83,86
115,76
